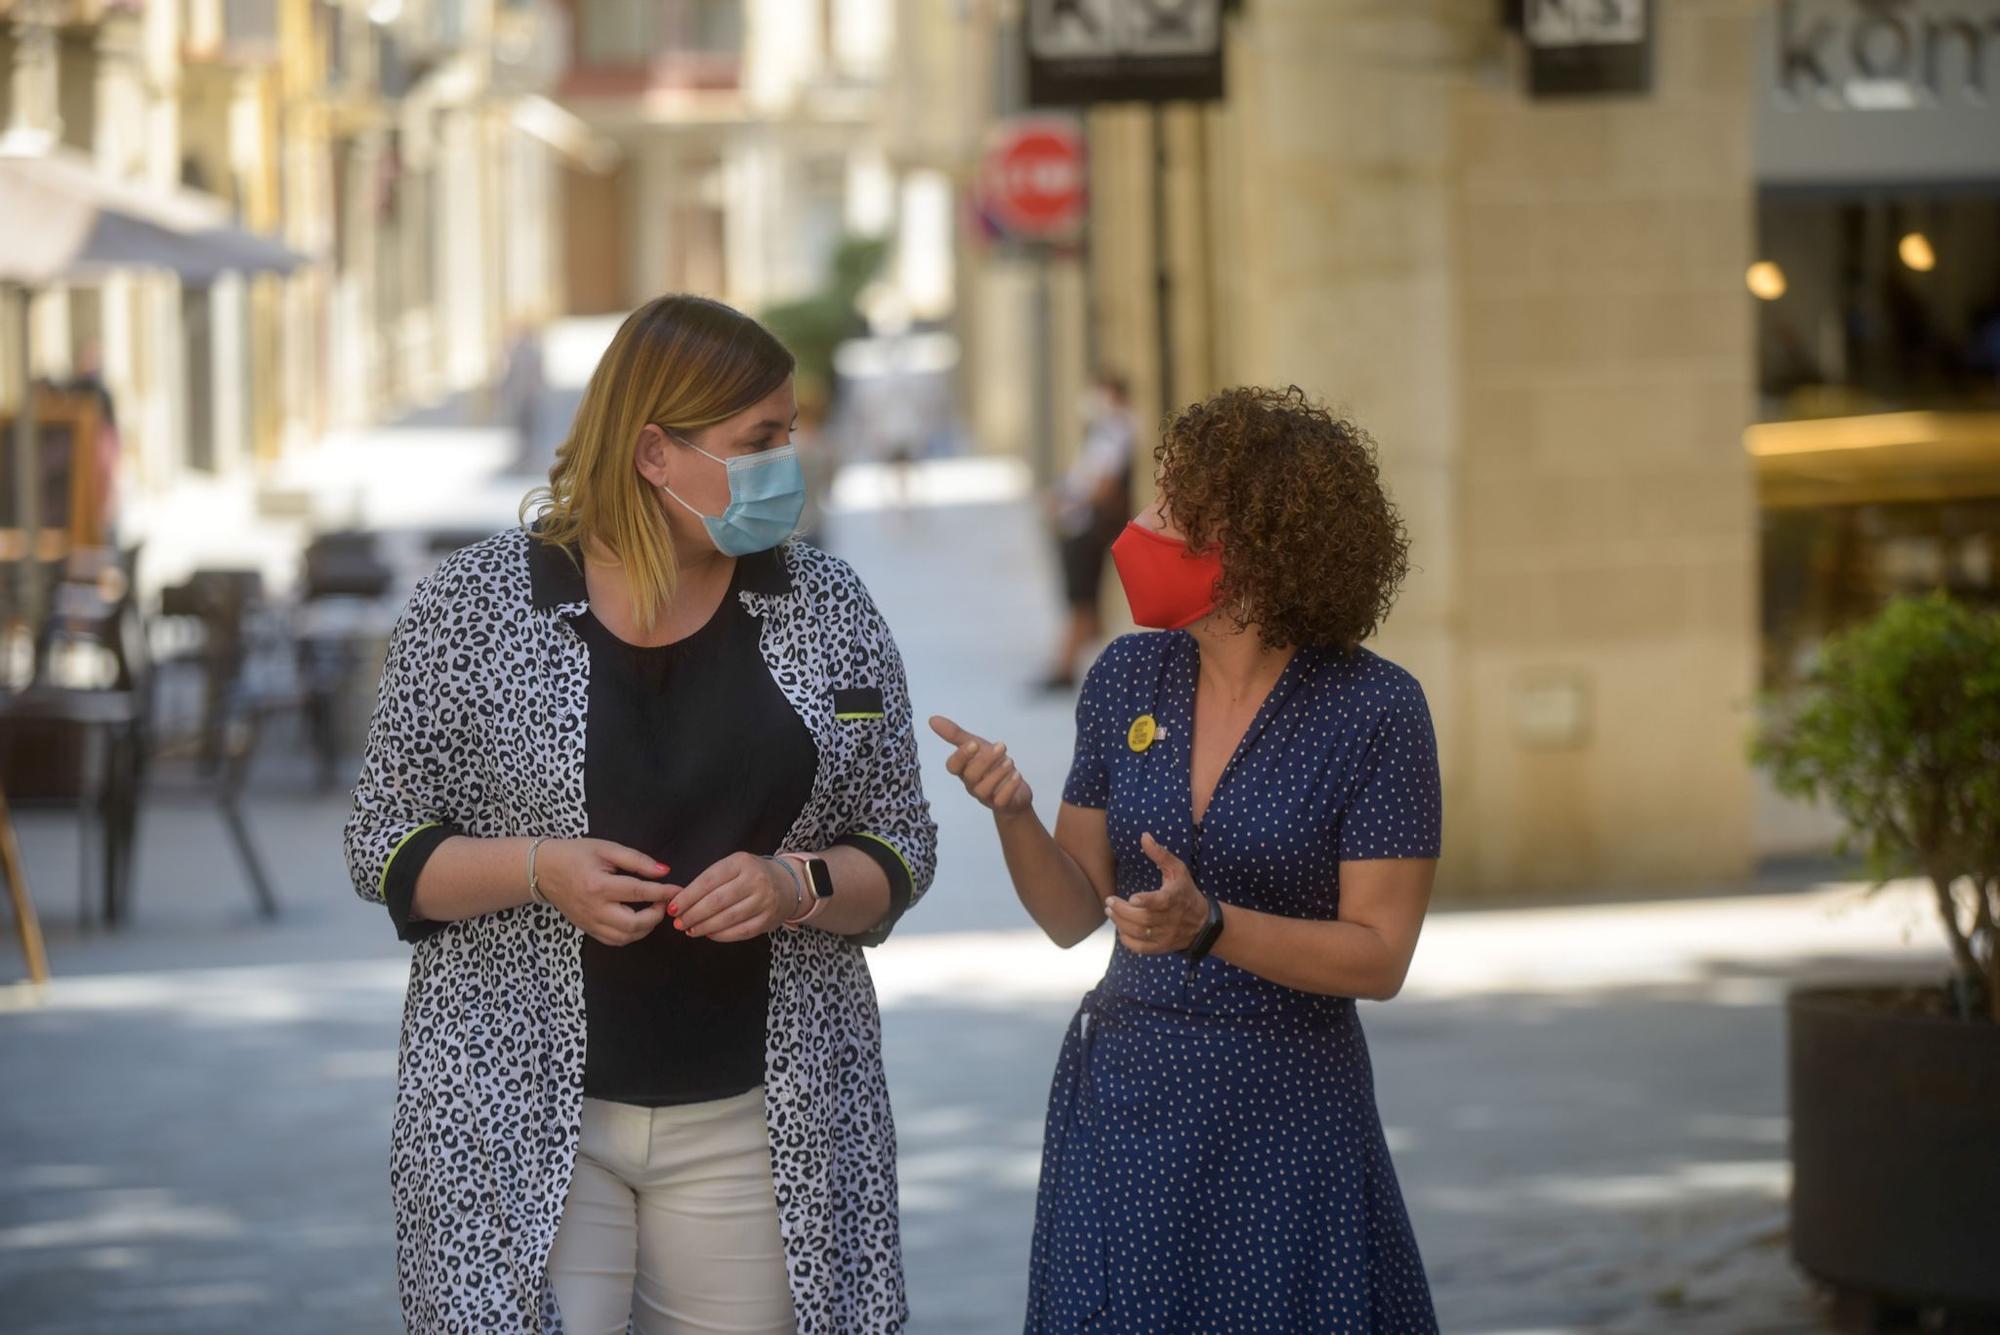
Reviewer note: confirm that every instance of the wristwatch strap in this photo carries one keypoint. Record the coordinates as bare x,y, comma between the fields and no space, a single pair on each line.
1211,931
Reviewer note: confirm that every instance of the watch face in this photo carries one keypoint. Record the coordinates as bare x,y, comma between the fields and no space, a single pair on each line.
822,877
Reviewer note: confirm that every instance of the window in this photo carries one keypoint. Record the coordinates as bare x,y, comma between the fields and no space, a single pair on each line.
448,22
714,27
618,32
1890,300
197,330
250,27
330,22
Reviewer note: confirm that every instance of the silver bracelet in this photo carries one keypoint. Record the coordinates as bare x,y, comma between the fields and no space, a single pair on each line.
798,887
534,880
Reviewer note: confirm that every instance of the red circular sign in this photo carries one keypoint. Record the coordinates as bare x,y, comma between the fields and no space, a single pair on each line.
1035,180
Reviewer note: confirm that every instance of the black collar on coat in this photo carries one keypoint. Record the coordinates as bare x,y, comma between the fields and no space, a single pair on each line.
555,575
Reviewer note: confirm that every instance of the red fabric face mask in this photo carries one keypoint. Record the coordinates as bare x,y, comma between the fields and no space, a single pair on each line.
1169,587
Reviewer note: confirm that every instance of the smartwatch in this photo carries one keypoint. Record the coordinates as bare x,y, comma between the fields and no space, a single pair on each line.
819,881
1211,932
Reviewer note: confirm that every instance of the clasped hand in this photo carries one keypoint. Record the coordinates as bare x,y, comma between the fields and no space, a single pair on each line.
612,893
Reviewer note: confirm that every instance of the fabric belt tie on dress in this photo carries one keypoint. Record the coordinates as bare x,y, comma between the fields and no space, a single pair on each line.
1078,1150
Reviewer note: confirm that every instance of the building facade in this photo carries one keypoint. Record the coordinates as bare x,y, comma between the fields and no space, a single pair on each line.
1626,502
405,147
751,143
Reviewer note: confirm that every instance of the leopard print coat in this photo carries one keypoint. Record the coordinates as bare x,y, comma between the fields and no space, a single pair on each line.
480,725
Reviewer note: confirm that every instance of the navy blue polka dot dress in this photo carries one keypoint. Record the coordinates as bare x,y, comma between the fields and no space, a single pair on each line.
1213,1159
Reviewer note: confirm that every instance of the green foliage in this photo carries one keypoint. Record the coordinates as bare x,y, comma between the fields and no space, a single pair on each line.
812,327
1898,729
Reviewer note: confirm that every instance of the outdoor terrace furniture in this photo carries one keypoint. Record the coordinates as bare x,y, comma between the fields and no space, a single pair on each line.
108,723
27,926
101,773
253,667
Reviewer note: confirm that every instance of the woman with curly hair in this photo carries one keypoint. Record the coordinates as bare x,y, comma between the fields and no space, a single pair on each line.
1254,805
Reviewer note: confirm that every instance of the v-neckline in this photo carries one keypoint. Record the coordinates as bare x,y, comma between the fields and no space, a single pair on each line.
1273,700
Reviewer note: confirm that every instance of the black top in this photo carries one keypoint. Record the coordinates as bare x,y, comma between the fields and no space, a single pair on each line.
691,753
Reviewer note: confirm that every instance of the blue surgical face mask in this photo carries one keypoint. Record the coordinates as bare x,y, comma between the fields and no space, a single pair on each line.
767,493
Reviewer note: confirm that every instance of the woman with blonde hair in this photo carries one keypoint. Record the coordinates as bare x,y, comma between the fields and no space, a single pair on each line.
640,785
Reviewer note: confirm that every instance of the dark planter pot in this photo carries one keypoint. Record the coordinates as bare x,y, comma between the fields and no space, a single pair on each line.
1895,1150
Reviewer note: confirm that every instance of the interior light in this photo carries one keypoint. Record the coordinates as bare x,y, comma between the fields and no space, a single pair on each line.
1915,251
1765,280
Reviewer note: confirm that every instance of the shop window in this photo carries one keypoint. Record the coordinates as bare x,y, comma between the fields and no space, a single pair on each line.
1878,456
1828,567
1890,300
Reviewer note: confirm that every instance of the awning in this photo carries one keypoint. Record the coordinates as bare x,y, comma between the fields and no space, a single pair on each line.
64,220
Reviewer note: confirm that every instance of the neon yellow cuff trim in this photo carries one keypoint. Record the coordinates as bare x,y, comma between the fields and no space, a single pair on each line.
382,885
850,718
878,839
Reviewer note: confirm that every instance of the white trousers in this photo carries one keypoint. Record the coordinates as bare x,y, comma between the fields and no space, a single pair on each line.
671,1221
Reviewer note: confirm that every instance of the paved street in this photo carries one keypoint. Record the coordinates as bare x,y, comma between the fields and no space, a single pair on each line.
1586,1103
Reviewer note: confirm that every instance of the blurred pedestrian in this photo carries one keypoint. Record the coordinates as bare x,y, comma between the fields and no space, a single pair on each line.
522,385
1087,509
817,461
599,1114
1254,804
107,456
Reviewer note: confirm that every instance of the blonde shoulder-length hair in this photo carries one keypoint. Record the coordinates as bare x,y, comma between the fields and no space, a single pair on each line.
680,362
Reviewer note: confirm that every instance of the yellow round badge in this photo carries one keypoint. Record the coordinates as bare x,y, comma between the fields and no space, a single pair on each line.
1141,734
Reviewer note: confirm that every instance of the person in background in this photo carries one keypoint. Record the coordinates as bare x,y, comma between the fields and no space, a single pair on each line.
88,380
521,386
816,460
1087,509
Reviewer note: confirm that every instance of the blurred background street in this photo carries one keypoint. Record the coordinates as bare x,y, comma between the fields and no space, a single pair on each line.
1677,326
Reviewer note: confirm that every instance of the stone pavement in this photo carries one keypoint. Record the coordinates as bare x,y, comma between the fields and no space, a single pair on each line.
1586,1104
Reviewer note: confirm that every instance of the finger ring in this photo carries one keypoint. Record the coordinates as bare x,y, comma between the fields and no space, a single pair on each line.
1148,931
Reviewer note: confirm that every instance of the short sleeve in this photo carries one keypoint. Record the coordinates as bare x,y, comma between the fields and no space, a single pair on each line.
1395,808
1089,783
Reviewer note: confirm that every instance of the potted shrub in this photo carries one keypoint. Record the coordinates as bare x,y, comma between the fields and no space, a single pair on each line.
1895,1090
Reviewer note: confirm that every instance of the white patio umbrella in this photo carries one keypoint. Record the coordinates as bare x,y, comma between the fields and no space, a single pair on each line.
64,220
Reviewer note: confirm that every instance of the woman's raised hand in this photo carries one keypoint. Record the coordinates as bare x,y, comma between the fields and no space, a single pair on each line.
986,769
594,883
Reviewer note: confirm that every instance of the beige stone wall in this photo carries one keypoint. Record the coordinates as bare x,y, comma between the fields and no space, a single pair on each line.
1538,311
1607,515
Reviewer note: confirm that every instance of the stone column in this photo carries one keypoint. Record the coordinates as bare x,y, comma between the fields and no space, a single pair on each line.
34,107
1608,524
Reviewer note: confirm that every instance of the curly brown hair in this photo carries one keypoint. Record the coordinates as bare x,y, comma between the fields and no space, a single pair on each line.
1313,552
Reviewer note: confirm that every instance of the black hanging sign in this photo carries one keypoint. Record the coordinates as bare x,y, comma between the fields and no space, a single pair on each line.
1087,51
1582,47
